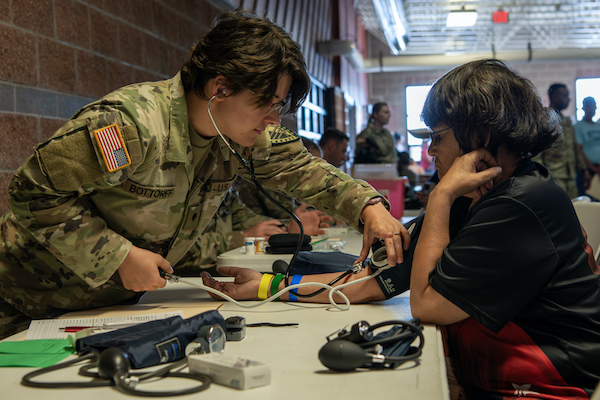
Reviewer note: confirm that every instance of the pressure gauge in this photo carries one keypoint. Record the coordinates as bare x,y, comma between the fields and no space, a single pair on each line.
211,339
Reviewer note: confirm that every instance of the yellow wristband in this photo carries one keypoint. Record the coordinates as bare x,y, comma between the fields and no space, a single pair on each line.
265,285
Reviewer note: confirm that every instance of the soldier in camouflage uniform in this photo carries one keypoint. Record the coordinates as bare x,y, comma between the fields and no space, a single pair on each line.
375,144
130,182
260,204
223,233
565,159
232,223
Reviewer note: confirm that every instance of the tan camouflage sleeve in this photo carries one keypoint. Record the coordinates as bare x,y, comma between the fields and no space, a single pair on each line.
291,169
47,196
215,241
205,251
242,216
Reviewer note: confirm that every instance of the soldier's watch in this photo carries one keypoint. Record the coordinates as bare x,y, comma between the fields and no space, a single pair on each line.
373,201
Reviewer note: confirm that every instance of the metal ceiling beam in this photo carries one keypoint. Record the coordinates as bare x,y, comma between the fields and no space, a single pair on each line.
424,62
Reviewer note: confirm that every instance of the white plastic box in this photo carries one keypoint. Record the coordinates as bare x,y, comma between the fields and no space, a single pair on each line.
231,371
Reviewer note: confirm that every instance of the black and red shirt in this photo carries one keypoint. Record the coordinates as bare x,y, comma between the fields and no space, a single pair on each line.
519,265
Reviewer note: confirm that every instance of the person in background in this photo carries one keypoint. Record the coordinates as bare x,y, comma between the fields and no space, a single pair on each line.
423,194
125,188
410,199
499,259
587,134
564,160
334,144
426,160
232,223
375,144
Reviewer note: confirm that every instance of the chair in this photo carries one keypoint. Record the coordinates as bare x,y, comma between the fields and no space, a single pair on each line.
596,395
589,217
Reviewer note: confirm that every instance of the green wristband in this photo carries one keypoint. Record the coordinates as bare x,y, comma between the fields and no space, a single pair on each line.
275,284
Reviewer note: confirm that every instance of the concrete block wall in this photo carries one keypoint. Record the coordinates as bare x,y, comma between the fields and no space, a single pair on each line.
390,86
58,55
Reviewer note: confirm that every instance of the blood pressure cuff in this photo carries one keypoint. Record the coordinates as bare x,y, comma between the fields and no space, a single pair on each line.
308,263
286,243
153,342
392,281
396,280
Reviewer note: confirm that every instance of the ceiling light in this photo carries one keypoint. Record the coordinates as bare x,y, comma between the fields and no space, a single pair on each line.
461,18
393,22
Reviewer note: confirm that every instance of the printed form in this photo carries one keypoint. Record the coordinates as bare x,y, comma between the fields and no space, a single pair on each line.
59,328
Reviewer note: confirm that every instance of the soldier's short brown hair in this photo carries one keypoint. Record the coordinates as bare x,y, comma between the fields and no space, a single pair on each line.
251,52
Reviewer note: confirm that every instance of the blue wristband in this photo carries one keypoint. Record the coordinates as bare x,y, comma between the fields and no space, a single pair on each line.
295,280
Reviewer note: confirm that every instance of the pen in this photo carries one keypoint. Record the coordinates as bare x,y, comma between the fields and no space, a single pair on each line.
76,328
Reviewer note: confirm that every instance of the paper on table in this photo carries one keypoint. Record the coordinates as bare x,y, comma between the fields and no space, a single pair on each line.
50,328
34,353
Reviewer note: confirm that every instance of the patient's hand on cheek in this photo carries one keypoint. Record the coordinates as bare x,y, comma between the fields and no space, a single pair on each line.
470,175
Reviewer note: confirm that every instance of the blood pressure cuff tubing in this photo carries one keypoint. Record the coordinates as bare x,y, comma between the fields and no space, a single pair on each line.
153,342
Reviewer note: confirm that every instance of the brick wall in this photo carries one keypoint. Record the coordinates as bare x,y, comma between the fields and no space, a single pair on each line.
58,55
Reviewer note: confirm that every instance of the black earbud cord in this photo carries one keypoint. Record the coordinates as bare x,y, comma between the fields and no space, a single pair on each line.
250,170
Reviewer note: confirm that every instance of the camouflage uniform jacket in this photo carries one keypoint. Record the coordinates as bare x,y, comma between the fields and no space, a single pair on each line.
223,233
563,160
73,222
260,204
380,143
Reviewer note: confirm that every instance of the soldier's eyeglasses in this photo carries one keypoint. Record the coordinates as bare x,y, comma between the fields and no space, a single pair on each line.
436,137
272,106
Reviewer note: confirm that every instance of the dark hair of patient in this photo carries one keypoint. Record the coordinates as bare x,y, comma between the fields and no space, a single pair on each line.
486,97
251,52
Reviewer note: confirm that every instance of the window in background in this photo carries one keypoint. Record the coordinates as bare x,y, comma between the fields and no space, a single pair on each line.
311,115
415,98
586,87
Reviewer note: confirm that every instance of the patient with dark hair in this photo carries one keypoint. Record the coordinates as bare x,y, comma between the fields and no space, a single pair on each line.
499,259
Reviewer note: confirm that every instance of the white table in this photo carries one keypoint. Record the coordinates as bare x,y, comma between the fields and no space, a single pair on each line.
264,262
292,353
296,372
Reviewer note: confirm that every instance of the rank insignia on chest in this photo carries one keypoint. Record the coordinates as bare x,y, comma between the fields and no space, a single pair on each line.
113,148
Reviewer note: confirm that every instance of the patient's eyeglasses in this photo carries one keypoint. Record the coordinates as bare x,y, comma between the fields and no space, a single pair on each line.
272,106
435,137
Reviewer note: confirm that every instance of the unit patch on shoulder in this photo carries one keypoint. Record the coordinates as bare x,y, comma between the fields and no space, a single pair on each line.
281,135
112,147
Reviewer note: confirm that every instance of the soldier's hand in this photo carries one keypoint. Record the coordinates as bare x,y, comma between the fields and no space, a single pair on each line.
312,221
379,223
265,229
139,271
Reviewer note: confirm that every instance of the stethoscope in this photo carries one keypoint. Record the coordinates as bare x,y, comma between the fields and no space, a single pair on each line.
357,268
250,170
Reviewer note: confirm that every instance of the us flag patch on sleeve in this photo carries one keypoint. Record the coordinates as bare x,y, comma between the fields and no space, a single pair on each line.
112,147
